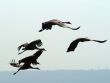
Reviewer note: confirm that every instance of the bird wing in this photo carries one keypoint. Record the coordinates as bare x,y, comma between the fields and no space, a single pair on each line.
35,62
23,45
54,21
26,59
48,24
72,46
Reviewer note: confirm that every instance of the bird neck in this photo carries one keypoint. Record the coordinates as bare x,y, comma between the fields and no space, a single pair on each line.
38,54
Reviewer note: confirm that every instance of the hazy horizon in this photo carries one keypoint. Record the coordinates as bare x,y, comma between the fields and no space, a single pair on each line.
56,77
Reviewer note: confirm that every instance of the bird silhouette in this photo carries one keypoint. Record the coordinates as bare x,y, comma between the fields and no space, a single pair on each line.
30,46
28,61
48,25
74,44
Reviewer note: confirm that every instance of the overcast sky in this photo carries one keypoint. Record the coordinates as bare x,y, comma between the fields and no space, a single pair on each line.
20,21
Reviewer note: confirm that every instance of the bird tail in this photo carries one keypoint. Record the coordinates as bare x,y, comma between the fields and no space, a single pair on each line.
99,41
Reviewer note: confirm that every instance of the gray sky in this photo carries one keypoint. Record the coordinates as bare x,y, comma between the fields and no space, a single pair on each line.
20,21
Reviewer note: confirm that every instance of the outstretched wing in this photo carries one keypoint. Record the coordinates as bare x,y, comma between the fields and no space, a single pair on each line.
37,42
23,45
54,21
72,46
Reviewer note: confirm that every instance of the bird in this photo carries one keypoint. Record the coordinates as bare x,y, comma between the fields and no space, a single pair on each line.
30,46
24,67
74,44
28,61
48,25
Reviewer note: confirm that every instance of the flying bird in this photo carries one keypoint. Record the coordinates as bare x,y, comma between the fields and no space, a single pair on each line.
30,46
28,61
22,67
48,25
74,44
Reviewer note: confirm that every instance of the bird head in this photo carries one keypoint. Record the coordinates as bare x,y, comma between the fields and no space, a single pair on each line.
41,30
39,42
69,22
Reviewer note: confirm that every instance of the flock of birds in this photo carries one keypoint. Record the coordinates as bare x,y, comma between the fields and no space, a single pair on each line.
34,45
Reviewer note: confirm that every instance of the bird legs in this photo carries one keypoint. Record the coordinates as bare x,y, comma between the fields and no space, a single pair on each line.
21,69
16,72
